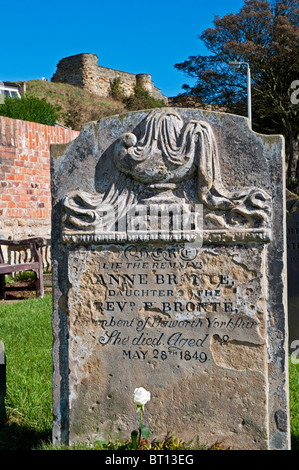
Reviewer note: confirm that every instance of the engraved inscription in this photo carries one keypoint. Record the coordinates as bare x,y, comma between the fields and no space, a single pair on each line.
166,303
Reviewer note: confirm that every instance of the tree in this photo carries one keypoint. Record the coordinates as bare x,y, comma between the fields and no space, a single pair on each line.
265,35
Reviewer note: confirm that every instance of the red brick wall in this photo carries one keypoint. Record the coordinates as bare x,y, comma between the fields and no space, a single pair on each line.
25,195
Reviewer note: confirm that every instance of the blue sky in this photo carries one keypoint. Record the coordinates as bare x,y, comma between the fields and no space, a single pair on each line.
132,36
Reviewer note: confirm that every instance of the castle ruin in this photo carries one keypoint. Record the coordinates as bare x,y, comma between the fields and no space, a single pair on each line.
83,71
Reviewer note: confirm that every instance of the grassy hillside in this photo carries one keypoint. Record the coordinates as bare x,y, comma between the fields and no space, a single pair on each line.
77,106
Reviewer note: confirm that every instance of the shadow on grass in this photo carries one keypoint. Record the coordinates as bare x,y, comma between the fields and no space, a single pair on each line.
19,437
294,442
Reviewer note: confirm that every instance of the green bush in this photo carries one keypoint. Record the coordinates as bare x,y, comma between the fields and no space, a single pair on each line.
142,100
117,91
30,108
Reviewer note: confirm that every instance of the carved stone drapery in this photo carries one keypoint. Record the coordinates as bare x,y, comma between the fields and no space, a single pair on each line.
156,168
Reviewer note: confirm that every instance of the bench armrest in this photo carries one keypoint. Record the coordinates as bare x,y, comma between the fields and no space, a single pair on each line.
34,243
39,241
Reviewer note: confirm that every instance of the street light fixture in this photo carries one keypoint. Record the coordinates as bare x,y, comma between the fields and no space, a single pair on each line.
236,65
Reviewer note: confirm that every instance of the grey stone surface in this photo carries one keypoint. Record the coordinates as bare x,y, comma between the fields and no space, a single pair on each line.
193,309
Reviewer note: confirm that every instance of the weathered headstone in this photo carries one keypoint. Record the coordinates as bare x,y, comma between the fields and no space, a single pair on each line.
2,382
293,270
168,246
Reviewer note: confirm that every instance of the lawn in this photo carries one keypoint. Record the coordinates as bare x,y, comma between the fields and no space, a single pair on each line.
25,329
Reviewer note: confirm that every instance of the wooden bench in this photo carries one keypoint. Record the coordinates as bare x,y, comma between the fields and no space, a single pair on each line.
35,245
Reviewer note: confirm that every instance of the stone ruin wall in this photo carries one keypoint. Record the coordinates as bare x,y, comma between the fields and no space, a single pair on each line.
83,71
185,101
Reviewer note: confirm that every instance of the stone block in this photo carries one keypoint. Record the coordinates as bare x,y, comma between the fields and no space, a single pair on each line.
169,273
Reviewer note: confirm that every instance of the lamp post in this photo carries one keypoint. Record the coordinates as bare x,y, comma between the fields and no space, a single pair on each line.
237,65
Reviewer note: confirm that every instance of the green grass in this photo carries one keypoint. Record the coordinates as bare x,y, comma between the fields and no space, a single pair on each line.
294,404
25,329
77,106
20,276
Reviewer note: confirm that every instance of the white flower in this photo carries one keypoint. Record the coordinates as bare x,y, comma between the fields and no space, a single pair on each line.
141,396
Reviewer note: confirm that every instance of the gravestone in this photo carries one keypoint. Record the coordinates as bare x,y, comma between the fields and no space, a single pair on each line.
293,270
168,257
2,382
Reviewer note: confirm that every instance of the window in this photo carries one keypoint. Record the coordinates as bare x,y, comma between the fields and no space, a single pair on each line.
9,90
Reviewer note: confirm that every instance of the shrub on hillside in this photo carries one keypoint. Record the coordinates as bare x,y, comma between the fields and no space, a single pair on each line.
142,100
30,108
